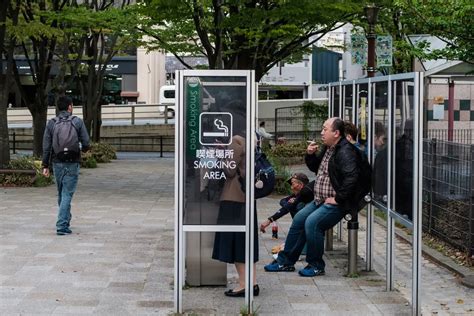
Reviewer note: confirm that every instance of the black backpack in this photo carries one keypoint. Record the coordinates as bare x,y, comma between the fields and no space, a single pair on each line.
264,179
65,139
264,176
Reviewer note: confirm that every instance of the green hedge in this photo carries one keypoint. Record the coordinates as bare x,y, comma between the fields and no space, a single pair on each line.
98,153
22,180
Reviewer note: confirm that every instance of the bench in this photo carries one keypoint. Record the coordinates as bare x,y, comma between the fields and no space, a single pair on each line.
30,172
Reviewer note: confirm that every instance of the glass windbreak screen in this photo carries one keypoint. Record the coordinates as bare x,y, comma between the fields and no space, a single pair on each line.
379,142
403,147
362,113
335,102
348,102
215,133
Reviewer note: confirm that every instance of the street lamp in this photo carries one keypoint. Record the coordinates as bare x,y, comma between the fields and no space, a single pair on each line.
371,15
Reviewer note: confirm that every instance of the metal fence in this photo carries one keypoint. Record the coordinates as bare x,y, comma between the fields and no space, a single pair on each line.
291,124
463,136
448,192
135,143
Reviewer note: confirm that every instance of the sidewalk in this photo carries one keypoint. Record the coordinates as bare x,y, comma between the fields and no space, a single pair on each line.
119,259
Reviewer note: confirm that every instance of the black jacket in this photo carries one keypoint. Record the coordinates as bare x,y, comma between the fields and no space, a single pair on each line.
344,173
305,196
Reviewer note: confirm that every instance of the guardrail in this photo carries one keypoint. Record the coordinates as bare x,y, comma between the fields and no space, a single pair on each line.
127,112
131,143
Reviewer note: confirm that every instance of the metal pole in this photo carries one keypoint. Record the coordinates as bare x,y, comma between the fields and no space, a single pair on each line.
161,146
471,219
371,14
352,229
433,182
339,231
276,126
450,110
417,193
133,115
392,91
329,240
14,142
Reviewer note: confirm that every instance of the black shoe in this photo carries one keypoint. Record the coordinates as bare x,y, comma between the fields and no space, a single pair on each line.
231,293
63,231
241,293
256,290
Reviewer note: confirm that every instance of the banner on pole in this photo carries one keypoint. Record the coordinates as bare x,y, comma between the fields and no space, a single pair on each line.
383,51
359,49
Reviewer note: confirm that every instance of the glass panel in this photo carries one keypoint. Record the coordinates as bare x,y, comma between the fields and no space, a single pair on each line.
404,148
335,102
362,112
215,131
348,102
379,141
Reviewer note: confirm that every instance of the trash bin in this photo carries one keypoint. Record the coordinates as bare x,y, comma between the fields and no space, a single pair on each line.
201,269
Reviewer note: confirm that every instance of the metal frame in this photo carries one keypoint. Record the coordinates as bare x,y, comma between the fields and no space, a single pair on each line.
392,215
180,228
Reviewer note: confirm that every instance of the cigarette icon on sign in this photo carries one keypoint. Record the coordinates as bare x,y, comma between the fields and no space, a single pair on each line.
220,126
215,128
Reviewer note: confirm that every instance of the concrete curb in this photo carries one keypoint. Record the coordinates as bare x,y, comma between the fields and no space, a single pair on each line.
467,276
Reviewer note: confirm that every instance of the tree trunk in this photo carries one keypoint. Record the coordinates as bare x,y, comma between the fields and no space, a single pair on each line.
39,125
4,143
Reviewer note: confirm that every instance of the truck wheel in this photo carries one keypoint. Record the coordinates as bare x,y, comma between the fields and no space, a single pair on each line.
170,113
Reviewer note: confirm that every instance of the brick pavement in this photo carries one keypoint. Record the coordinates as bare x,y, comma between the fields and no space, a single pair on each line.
119,259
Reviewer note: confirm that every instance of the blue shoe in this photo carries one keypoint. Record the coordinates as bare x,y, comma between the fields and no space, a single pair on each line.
310,271
63,231
276,267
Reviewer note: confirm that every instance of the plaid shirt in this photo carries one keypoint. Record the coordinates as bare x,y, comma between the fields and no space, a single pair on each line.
322,186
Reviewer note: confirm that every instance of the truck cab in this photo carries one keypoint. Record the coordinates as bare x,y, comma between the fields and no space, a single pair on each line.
167,97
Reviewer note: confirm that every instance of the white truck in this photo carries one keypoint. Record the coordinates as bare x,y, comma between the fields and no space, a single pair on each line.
167,97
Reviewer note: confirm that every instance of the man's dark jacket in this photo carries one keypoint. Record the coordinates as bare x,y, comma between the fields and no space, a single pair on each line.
48,153
344,173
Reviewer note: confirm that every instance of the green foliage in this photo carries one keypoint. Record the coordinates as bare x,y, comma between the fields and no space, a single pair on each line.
244,310
239,34
88,161
281,173
98,153
450,20
310,112
103,152
289,153
17,179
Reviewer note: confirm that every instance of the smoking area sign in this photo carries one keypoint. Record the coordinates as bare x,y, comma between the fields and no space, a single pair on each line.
215,128
215,145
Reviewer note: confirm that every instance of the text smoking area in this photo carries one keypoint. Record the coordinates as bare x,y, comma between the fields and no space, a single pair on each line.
217,109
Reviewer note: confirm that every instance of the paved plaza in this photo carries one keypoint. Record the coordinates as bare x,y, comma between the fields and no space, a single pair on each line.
120,258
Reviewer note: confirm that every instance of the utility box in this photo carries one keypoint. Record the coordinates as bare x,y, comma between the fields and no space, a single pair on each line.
201,269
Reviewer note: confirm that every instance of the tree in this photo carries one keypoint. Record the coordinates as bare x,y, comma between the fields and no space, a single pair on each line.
37,37
242,34
97,31
4,144
450,20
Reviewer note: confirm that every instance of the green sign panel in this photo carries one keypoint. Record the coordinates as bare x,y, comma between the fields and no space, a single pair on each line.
193,109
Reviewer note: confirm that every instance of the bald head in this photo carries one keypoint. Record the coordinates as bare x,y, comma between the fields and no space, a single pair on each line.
333,131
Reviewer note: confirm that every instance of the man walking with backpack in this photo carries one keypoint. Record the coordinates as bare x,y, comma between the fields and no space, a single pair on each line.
63,137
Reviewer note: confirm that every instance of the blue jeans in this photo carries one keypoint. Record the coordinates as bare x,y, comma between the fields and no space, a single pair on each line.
66,175
309,226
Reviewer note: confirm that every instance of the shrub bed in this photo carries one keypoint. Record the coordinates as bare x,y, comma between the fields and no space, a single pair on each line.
98,153
24,180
